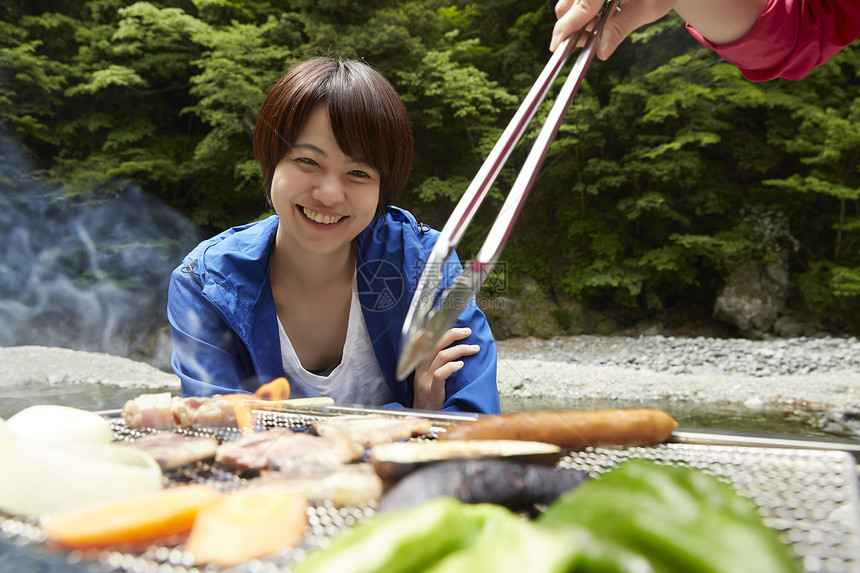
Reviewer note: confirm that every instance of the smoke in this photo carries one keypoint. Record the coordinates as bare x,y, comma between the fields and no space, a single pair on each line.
86,273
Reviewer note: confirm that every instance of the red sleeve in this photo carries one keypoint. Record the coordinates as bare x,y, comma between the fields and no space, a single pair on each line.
791,37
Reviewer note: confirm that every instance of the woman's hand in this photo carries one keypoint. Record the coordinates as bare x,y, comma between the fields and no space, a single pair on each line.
720,21
430,376
574,15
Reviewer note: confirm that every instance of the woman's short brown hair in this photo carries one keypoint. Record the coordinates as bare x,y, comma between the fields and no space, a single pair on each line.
367,116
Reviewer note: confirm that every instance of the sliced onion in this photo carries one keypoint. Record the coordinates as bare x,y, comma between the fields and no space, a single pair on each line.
38,478
53,424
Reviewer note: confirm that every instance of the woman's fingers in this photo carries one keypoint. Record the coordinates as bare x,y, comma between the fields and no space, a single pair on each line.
576,14
451,336
572,16
447,369
446,350
454,353
431,375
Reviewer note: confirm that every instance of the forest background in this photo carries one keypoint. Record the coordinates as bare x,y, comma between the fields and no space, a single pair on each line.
670,169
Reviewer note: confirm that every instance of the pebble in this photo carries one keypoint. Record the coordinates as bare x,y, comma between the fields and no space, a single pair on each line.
676,355
803,374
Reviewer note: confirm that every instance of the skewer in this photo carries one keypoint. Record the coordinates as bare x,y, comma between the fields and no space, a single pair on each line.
301,403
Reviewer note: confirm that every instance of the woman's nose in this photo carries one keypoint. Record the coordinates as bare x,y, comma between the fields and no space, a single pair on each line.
328,192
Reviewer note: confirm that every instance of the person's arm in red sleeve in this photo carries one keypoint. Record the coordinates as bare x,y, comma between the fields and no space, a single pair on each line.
789,39
765,39
721,21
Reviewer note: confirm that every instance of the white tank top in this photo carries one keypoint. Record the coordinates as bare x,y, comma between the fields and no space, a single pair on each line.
357,379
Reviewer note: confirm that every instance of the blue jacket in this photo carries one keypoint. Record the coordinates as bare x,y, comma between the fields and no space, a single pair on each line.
225,330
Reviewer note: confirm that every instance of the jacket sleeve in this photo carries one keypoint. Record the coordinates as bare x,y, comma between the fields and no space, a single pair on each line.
207,356
474,387
790,38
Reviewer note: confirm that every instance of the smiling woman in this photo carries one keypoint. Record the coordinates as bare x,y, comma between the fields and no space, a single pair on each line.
318,293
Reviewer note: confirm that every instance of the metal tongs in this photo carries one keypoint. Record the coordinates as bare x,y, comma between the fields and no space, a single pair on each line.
432,312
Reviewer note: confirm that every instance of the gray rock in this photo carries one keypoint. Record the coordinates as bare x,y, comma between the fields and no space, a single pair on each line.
40,364
753,297
789,327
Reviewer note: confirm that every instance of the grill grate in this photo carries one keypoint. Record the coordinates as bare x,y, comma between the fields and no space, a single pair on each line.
810,496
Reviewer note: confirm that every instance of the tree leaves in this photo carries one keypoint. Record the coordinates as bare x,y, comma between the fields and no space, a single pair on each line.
648,188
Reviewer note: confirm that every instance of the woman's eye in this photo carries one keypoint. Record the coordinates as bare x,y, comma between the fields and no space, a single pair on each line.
306,161
359,173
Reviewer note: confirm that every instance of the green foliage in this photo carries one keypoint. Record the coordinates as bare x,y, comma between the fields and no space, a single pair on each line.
830,290
563,316
669,169
434,188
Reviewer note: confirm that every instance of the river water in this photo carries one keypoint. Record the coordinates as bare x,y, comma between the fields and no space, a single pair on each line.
737,418
98,397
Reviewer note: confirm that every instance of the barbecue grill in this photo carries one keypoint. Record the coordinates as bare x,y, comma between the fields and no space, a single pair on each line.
809,494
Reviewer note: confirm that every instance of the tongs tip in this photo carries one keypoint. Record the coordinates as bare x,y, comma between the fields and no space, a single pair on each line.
413,352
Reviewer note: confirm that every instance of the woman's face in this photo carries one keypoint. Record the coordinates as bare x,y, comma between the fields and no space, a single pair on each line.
324,199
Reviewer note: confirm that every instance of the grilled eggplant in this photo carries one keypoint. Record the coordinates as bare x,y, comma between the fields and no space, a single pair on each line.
395,460
483,480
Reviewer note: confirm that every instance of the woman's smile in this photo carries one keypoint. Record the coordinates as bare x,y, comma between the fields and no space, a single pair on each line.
320,217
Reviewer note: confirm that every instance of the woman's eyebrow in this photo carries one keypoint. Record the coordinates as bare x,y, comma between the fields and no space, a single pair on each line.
310,146
316,149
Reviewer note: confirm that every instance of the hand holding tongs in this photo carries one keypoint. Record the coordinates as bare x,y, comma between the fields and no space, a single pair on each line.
431,314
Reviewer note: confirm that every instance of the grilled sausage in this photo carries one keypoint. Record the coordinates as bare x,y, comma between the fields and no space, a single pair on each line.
573,429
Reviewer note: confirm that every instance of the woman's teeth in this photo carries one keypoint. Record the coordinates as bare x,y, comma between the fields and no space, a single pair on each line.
320,218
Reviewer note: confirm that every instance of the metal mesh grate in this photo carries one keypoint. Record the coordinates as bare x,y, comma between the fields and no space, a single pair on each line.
810,496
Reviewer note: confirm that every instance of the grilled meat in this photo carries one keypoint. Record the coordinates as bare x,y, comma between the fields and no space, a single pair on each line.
166,412
172,450
343,485
283,448
371,430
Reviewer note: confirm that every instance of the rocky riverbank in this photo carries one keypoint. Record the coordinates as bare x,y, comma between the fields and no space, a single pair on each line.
816,372
821,374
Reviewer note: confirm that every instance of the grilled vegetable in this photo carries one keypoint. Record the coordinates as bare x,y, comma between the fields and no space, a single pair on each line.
483,480
679,519
446,536
401,542
575,429
53,424
132,520
37,477
247,524
393,461
508,544
639,516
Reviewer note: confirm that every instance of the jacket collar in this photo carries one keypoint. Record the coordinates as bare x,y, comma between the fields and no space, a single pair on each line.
235,271
236,276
